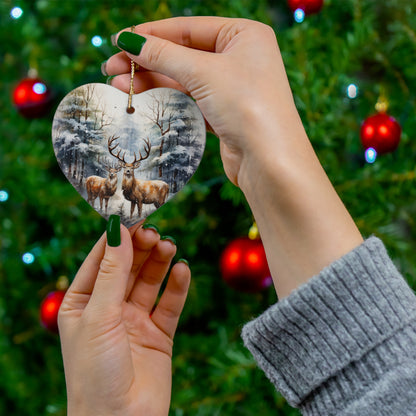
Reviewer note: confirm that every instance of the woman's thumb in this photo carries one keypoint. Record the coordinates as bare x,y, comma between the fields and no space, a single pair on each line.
178,62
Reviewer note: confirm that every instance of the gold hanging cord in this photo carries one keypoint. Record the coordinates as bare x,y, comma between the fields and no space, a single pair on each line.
130,108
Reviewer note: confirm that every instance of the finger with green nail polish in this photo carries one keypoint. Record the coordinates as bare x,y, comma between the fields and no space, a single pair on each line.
131,42
150,227
168,238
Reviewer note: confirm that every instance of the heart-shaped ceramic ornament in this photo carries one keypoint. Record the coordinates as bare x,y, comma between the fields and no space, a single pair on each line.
123,162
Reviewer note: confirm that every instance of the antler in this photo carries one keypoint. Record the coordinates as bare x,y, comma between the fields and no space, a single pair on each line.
111,147
147,148
108,165
136,162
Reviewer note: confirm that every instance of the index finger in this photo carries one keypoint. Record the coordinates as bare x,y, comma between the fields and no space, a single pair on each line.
197,32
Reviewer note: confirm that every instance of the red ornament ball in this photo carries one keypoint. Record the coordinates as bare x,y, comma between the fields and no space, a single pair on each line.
308,6
381,132
244,266
49,309
32,98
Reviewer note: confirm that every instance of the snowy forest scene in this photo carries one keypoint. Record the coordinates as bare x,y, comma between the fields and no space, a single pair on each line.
122,162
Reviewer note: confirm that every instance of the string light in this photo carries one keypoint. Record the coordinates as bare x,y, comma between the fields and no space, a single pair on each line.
39,88
370,155
299,15
16,13
28,258
352,91
4,196
97,41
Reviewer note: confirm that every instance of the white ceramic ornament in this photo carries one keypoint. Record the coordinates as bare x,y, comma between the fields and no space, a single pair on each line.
127,163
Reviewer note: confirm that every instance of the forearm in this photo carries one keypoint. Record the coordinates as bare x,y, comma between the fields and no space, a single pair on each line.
303,223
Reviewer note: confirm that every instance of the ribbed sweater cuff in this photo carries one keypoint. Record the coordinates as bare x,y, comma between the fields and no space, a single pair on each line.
335,329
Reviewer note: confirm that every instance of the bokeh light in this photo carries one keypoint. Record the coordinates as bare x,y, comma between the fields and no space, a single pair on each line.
370,155
4,196
39,88
97,41
352,91
299,15
28,258
16,12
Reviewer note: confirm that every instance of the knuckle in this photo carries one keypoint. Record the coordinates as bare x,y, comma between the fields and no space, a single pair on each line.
63,310
260,28
186,37
109,269
191,78
61,319
170,312
264,29
156,52
268,30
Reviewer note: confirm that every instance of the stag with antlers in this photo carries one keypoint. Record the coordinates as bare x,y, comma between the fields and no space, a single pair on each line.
137,191
104,188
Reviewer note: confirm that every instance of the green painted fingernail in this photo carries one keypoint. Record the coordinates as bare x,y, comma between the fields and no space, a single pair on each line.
184,261
150,227
104,69
131,42
114,39
168,237
113,231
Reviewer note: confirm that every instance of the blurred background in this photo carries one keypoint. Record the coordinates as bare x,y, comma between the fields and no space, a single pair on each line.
346,60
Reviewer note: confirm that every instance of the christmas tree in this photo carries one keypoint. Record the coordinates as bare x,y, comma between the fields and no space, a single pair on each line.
341,61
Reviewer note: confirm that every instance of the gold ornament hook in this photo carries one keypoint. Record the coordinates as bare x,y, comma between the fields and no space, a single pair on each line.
62,283
382,103
253,233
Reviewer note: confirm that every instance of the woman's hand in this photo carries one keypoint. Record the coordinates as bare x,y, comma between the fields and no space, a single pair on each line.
231,67
117,350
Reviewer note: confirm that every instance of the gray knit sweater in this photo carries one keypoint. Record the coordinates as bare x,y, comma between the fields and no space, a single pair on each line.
345,342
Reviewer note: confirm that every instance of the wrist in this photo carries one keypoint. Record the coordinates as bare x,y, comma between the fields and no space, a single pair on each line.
273,152
302,222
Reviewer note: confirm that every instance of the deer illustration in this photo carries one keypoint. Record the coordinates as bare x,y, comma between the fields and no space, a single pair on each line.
138,191
104,188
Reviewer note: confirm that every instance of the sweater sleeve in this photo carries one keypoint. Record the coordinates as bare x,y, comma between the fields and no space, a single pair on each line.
345,342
